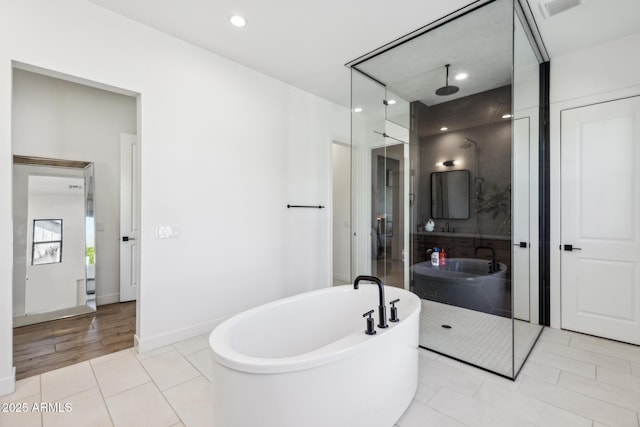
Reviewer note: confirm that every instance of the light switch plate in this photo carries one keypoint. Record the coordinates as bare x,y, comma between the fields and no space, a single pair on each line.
167,232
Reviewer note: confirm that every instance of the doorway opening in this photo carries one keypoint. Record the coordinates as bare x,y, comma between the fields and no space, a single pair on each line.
69,310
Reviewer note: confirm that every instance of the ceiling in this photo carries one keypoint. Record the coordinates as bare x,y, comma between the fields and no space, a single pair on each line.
307,43
478,44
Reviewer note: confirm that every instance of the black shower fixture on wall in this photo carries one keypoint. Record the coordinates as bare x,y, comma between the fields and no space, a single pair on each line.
446,89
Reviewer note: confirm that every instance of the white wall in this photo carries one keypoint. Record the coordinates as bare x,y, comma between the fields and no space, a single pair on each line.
220,143
78,122
600,73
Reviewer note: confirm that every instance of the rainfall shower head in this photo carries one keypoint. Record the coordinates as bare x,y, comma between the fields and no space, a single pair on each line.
467,143
446,89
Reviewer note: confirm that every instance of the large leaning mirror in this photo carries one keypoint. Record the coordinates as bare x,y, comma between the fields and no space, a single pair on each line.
53,239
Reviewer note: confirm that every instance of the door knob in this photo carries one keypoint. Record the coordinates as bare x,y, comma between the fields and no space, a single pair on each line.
521,244
570,248
127,238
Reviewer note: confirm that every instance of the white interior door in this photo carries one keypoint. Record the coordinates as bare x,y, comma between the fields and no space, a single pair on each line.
520,214
129,243
600,223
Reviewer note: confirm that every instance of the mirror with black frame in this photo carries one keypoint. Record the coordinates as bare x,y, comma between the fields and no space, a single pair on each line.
53,239
450,194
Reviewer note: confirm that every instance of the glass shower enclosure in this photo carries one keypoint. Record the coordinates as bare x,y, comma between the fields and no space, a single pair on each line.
444,181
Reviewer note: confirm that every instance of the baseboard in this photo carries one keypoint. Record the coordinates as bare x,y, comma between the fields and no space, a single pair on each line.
148,344
107,299
8,384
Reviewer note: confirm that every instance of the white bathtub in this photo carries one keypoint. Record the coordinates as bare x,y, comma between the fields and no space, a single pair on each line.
464,282
305,361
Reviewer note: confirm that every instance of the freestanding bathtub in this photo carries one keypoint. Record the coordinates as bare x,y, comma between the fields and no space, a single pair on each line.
305,361
464,282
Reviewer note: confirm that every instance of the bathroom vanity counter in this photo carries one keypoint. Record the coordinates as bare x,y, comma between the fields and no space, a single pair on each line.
458,235
460,245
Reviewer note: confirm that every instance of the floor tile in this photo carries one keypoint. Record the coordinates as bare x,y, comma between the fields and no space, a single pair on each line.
608,393
597,359
24,416
563,363
169,369
141,406
635,369
192,345
555,335
570,380
620,380
426,390
193,402
203,361
86,409
419,415
594,409
442,374
119,374
111,356
67,381
535,411
473,412
26,387
153,353
544,373
605,346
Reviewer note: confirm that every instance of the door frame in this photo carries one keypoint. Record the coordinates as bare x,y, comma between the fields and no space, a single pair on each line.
8,383
555,164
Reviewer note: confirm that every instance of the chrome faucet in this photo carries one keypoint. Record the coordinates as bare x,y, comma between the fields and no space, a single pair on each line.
382,310
493,265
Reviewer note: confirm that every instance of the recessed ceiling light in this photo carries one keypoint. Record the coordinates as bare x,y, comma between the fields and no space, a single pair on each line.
357,110
443,128
391,101
237,20
461,76
507,116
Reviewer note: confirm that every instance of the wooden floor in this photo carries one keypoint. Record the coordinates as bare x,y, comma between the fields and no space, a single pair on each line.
51,345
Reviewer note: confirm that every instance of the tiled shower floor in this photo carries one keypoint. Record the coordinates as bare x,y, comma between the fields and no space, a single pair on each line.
478,338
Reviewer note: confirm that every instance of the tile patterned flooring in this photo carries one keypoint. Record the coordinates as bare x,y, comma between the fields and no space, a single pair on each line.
482,339
569,380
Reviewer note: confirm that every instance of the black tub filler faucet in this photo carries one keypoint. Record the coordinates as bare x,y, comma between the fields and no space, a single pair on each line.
382,310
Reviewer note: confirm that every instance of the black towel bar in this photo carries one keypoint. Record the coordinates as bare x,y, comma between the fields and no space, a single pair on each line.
306,206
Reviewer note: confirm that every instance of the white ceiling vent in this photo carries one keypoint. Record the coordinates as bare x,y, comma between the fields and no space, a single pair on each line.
550,8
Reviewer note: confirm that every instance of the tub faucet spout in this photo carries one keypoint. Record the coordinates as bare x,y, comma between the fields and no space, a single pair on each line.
382,310
494,266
